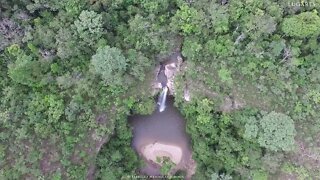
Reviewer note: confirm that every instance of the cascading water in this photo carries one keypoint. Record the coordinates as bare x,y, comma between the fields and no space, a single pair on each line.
162,99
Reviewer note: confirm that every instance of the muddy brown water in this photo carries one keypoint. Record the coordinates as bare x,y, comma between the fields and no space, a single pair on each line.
167,127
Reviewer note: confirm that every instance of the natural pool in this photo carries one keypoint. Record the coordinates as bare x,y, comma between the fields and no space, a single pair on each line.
162,134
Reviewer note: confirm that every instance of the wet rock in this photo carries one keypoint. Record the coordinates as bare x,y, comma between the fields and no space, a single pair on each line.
171,69
162,78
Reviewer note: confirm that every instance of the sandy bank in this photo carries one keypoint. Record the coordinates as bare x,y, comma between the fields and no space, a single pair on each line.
152,151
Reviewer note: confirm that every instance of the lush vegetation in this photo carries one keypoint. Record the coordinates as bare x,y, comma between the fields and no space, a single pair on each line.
73,70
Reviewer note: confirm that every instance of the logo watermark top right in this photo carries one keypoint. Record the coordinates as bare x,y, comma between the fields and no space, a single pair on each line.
302,4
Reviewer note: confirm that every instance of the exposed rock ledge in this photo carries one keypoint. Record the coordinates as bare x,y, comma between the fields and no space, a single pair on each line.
171,69
172,65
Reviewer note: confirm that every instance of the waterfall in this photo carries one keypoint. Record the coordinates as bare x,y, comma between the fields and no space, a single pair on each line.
162,99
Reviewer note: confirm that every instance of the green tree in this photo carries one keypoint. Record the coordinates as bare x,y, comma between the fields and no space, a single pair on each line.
73,6
43,4
154,6
3,73
44,112
138,64
303,25
222,46
260,25
67,44
277,132
219,18
89,26
191,49
166,165
216,176
204,108
145,107
147,35
110,63
25,70
225,75
251,128
188,20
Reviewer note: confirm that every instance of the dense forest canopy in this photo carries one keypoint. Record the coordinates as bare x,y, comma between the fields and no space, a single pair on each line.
72,71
